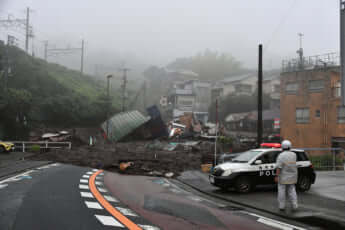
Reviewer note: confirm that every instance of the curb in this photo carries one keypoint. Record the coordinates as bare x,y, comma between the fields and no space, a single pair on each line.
7,175
322,220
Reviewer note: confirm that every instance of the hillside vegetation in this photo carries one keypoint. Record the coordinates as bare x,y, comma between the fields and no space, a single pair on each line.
38,94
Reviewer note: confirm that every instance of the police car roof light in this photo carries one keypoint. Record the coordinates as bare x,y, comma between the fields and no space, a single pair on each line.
270,145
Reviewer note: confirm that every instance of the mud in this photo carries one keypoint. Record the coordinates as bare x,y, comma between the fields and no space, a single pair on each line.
148,158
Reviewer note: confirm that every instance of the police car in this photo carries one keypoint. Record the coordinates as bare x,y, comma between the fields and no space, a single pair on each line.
258,167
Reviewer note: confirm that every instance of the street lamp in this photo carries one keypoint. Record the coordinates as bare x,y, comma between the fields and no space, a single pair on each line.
108,100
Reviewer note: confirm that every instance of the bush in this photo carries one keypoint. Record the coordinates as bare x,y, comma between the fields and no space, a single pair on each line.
35,148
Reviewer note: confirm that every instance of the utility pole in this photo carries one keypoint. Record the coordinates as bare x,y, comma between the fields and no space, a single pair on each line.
45,49
23,24
300,51
215,139
27,29
342,49
124,85
259,121
108,103
82,58
144,95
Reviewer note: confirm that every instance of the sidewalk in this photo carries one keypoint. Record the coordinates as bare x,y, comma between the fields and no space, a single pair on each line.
313,206
15,162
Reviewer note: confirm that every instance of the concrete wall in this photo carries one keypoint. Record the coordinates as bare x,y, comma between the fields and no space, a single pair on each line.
318,132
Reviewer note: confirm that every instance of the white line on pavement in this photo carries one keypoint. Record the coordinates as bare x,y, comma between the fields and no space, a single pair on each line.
276,223
109,221
89,173
83,186
84,181
86,194
126,211
110,198
102,190
95,170
86,176
148,227
94,205
16,177
98,183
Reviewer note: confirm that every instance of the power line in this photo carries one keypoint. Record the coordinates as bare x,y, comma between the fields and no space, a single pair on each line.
23,24
66,51
280,24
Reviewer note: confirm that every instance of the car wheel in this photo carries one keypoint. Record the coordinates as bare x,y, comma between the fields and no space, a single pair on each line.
243,185
303,184
2,149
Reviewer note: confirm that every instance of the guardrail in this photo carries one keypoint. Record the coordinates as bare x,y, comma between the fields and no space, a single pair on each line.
24,145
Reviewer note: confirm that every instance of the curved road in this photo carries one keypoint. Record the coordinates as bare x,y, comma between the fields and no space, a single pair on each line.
67,197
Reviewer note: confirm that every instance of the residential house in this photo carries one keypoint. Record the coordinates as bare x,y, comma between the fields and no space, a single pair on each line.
190,96
239,85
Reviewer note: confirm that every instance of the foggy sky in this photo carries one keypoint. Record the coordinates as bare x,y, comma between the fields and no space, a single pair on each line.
155,32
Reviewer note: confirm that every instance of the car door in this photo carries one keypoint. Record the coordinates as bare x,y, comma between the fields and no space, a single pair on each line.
268,167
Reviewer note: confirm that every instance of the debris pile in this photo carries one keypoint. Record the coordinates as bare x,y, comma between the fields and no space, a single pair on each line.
155,158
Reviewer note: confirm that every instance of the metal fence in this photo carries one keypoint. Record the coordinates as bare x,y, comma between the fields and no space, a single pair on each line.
312,62
326,159
45,145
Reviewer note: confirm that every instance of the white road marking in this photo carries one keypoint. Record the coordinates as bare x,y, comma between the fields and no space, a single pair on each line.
98,183
94,170
126,211
55,164
89,173
83,186
86,176
94,205
109,221
148,227
101,174
44,167
102,190
110,198
17,177
3,186
86,194
274,223
84,181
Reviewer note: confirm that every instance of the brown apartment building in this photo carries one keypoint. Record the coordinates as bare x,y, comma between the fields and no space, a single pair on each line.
310,106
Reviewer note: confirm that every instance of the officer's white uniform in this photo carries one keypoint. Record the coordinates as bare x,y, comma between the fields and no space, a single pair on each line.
287,179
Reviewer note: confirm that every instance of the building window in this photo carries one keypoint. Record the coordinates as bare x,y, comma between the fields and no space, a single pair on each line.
243,88
185,103
341,114
317,113
291,87
316,85
337,89
302,115
276,88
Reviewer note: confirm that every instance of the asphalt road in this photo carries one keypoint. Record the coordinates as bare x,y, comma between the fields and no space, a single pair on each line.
320,211
67,197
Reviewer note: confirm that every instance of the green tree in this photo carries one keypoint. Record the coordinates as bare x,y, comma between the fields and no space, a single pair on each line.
210,65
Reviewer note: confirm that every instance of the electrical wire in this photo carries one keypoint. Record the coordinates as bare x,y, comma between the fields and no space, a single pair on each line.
280,25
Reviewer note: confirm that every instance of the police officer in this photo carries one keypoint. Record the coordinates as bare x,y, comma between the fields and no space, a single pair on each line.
286,176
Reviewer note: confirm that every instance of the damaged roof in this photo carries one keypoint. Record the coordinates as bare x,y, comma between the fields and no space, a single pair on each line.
123,124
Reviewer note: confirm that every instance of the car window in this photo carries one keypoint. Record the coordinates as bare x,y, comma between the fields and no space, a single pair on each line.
269,157
301,156
246,156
